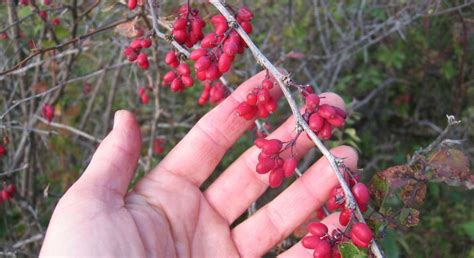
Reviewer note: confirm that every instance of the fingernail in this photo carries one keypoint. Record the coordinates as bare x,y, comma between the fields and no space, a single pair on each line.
117,118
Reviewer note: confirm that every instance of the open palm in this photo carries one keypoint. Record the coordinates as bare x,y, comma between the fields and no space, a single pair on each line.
167,215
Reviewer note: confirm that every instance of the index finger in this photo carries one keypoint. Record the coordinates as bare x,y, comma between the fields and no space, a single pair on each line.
205,145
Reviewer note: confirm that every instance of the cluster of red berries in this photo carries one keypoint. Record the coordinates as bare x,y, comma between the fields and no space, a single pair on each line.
143,95
133,52
48,112
325,245
7,192
259,102
269,160
180,78
337,200
187,29
214,92
321,118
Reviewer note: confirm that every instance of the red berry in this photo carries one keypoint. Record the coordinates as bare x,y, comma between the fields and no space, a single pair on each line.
225,61
263,95
197,53
169,77
158,146
252,99
264,165
336,253
4,35
340,112
132,4
55,21
276,177
136,44
332,204
271,105
132,56
310,242
317,229
289,166
43,14
144,99
322,250
142,61
244,14
337,121
202,63
187,80
183,69
209,41
3,150
326,132
272,146
327,111
312,102
212,72
180,24
316,122
230,48
180,36
361,194
246,26
171,59
201,75
146,43
177,85
48,112
361,235
345,216
267,84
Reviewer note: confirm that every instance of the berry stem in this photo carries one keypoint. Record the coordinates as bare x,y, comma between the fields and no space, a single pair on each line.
283,82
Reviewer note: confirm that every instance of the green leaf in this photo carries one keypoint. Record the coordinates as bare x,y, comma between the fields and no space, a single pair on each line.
468,227
389,244
348,250
61,32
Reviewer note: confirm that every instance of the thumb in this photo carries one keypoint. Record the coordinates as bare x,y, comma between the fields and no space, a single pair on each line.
116,158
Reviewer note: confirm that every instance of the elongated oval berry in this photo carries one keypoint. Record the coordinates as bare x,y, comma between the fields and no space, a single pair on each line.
263,95
246,26
209,41
146,43
259,142
171,59
244,14
322,250
201,75
169,77
48,112
197,53
180,24
267,84
361,235
316,122
276,177
183,69
310,242
345,216
187,80
212,72
132,56
332,204
312,102
326,132
262,110
361,194
132,4
327,111
271,105
337,121
180,36
3,150
230,48
264,165
252,99
136,44
225,61
289,166
340,112
142,61
177,85
202,63
221,28
272,146
144,99
244,108
317,229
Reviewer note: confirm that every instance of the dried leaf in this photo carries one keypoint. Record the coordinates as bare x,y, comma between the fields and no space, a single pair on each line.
413,193
451,166
128,29
409,217
39,87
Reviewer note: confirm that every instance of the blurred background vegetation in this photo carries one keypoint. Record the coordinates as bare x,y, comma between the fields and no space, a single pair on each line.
401,67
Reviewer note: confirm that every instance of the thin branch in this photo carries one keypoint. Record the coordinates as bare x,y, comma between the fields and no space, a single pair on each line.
70,129
283,82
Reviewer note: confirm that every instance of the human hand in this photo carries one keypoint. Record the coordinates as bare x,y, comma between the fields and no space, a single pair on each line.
167,215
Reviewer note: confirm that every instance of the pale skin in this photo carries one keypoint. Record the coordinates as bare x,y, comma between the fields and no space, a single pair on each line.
167,215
